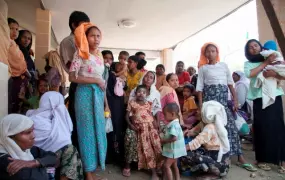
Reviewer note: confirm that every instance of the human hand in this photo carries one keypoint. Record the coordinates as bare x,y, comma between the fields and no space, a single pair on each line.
189,133
269,73
236,106
22,95
270,59
16,165
102,85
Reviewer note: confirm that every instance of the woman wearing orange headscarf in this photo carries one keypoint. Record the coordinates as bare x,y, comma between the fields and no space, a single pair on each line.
214,81
87,70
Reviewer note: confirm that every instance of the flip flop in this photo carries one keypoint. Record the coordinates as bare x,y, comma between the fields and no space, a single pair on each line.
126,172
281,170
248,167
264,166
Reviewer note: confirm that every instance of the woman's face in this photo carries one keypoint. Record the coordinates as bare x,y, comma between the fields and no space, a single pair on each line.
173,81
14,30
254,48
235,77
26,39
26,139
191,71
132,64
148,79
108,59
94,38
211,53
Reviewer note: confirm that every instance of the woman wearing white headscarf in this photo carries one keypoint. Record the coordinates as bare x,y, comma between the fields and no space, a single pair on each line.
53,128
131,154
19,158
214,139
241,88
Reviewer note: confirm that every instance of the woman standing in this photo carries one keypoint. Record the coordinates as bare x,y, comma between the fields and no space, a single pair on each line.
241,88
87,70
214,80
55,73
269,128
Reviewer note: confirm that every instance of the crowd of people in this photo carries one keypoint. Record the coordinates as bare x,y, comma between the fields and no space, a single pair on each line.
175,122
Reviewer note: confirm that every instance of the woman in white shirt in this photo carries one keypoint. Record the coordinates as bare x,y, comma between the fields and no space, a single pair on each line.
214,80
241,88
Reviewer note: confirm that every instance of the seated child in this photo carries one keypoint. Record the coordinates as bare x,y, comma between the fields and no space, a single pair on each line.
33,102
173,141
147,147
189,107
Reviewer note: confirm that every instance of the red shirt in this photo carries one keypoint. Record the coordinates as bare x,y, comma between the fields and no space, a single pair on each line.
184,77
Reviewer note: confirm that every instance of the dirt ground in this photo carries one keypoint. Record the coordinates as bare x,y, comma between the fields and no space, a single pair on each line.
236,173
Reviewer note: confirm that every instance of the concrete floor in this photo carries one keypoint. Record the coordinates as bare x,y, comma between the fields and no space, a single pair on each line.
236,173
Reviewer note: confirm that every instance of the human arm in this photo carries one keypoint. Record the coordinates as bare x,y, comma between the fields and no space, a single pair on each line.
202,138
86,80
255,71
171,139
67,49
200,87
128,118
233,92
122,72
271,73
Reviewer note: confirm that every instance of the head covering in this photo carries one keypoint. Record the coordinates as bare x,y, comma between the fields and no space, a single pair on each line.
81,39
52,122
10,125
271,45
154,95
54,61
203,59
17,63
250,57
4,32
214,113
242,79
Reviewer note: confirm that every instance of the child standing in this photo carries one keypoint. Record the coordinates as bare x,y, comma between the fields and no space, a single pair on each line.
140,120
173,141
189,107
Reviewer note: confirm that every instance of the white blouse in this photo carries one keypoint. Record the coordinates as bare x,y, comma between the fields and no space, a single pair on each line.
215,74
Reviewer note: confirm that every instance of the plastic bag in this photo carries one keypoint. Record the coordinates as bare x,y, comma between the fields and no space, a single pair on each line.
109,125
241,125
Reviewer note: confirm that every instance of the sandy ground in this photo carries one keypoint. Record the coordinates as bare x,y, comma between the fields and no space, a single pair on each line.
236,173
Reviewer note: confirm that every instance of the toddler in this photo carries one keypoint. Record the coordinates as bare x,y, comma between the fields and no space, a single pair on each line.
122,68
189,107
173,141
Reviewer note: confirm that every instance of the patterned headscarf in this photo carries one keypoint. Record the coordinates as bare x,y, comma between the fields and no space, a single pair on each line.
203,59
81,39
54,61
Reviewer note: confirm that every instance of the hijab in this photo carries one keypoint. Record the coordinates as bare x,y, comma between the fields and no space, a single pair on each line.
203,59
4,32
81,39
253,58
214,113
10,125
153,97
52,122
242,79
55,62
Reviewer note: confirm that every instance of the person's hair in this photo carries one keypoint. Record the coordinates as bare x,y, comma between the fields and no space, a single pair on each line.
160,66
76,17
180,62
11,21
190,87
89,29
124,53
141,63
140,53
21,33
172,108
168,76
140,87
134,58
105,52
210,45
42,78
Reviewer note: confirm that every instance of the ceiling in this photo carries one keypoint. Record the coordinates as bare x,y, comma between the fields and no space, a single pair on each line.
160,23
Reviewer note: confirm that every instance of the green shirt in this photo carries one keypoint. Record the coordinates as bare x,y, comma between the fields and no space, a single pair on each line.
255,93
34,102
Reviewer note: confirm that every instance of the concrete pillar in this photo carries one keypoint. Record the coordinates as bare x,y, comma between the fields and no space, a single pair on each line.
264,27
167,60
43,37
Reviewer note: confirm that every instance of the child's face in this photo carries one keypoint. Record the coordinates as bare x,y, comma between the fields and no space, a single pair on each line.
43,87
94,38
14,30
141,94
159,71
180,67
169,116
187,93
211,53
132,64
108,59
123,59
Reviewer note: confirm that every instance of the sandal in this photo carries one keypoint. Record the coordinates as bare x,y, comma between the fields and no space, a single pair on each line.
248,167
127,172
264,166
281,170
